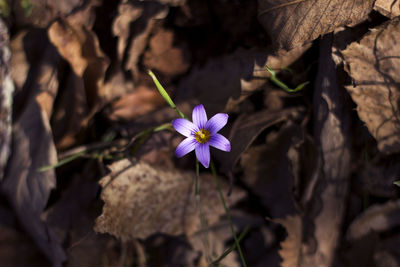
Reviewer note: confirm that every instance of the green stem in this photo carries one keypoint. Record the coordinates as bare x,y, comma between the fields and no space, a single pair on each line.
228,216
281,84
229,250
164,94
203,221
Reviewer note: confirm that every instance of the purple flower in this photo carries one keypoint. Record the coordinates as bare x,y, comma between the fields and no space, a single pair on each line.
201,134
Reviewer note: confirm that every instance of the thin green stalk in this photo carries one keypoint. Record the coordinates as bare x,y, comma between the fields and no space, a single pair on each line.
282,85
228,216
229,250
165,95
62,162
203,221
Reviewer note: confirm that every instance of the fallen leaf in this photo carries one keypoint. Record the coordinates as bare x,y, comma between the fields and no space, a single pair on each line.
127,13
164,250
80,47
378,176
134,26
296,22
291,248
6,93
374,66
326,208
232,76
165,56
388,8
34,68
377,218
247,127
140,102
16,249
28,189
268,173
72,113
40,13
141,200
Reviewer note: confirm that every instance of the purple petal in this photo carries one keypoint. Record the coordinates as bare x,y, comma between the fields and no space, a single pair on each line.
220,142
203,154
184,127
217,122
199,116
185,147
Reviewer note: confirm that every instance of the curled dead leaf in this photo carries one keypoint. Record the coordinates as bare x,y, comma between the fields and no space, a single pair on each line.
291,247
28,189
296,22
374,65
164,56
388,8
140,102
141,200
377,218
6,93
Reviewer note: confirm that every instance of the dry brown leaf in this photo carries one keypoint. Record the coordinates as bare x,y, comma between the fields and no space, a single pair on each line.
127,13
41,13
247,127
34,68
164,56
331,174
291,247
142,101
377,218
374,65
72,113
6,93
135,23
16,249
141,200
233,76
268,173
80,47
389,8
377,177
69,41
292,23
28,189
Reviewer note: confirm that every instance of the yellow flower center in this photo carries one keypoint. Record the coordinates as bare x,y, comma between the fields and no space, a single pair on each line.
202,136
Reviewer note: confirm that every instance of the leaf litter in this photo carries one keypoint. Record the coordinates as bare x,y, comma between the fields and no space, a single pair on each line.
309,175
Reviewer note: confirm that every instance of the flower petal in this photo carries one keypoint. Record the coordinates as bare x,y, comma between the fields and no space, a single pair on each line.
220,142
199,116
203,154
217,122
185,147
184,127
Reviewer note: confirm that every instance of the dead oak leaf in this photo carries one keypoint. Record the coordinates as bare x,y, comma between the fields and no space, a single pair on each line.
6,93
164,56
388,8
292,23
141,200
80,46
291,247
377,218
374,65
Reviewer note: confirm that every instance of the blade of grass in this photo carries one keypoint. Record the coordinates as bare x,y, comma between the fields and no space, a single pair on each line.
233,247
63,161
228,216
164,94
281,84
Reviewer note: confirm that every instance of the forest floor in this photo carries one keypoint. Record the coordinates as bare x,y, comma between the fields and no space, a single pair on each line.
87,177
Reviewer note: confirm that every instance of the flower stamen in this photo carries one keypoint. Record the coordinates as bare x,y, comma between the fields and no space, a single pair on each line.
202,136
